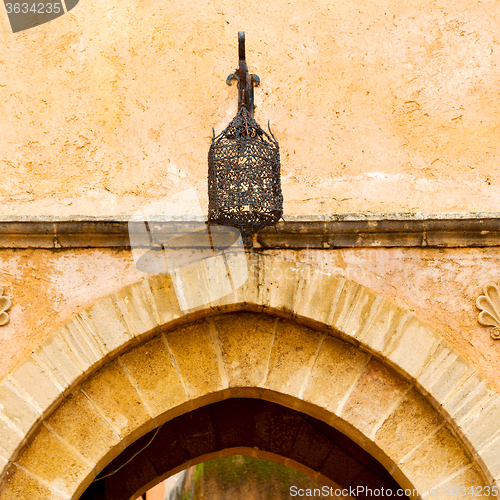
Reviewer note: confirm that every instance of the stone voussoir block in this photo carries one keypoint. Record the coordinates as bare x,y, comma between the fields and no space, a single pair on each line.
246,270
238,264
54,462
385,325
437,459
117,400
165,301
279,283
491,458
412,349
337,369
104,319
292,358
245,347
34,380
343,304
376,393
155,376
196,359
76,420
469,478
21,482
201,284
445,370
218,278
137,307
16,408
83,343
318,295
483,423
466,396
441,359
58,357
408,426
10,439
365,307
192,286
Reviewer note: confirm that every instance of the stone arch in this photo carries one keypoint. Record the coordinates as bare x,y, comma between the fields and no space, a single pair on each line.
242,355
332,308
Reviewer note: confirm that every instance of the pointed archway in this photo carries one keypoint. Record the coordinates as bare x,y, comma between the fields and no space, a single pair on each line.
330,340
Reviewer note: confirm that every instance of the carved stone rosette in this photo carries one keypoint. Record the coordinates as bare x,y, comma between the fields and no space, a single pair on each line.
489,304
5,304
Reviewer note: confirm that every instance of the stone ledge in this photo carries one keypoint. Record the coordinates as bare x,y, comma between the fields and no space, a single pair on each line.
480,229
385,230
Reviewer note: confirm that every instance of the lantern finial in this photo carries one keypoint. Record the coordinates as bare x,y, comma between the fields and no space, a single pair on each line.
246,82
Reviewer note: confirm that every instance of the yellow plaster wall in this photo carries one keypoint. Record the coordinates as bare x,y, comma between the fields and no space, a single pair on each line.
379,106
47,288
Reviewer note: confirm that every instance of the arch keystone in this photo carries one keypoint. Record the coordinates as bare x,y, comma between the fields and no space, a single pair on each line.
246,347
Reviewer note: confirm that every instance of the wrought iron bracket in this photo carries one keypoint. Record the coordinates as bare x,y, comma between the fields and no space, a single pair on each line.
246,81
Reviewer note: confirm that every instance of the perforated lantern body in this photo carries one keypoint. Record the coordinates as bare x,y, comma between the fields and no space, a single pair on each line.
244,186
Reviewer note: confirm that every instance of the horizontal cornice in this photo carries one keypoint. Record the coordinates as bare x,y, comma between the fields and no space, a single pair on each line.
324,231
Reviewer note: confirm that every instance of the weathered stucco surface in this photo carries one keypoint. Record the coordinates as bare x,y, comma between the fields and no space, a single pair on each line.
378,106
47,288
439,286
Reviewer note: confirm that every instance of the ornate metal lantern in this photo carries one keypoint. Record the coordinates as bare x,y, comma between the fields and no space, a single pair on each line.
244,185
